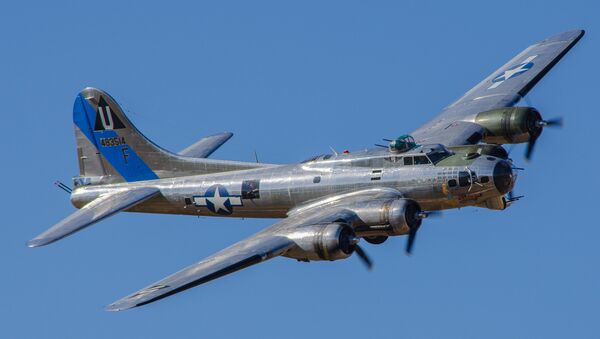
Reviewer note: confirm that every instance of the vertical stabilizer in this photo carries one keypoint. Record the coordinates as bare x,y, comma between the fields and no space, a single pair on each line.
111,149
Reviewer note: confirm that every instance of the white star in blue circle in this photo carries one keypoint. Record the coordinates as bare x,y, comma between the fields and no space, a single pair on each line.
218,200
513,72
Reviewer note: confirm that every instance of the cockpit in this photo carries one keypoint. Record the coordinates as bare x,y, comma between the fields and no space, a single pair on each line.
436,153
418,155
427,155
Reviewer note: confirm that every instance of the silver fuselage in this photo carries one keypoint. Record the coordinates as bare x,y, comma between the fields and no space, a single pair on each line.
281,188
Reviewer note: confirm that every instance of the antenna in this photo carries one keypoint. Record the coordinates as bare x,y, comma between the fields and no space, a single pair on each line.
255,156
334,151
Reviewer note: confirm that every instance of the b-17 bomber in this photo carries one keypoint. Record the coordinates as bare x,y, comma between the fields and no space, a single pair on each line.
327,204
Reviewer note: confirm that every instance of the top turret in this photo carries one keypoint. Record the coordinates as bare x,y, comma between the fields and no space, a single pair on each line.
402,144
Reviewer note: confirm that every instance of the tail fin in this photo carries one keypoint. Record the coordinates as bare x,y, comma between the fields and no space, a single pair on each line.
111,149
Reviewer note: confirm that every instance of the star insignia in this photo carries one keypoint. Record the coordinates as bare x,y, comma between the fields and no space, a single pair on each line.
218,200
513,71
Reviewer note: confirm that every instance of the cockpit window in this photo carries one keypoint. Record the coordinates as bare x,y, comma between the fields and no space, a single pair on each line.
438,155
416,160
421,160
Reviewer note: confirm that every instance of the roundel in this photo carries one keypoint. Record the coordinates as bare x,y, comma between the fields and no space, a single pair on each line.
218,200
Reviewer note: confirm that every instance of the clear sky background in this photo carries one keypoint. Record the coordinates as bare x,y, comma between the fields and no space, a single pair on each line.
290,79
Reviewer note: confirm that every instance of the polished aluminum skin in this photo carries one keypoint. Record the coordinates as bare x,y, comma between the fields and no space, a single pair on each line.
326,204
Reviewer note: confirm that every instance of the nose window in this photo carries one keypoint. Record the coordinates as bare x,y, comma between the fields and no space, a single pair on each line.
464,179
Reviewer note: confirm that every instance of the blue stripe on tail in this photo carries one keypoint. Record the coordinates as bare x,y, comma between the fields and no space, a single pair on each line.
120,155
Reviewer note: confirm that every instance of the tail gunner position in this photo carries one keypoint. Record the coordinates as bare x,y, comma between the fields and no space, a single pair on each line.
327,203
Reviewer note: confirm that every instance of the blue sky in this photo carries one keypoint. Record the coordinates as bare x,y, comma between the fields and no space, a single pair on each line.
291,79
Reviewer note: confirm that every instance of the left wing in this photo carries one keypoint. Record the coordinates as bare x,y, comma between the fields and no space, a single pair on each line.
248,252
503,88
267,244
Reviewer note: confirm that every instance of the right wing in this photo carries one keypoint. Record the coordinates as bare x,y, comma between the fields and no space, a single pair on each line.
101,208
503,88
267,244
206,146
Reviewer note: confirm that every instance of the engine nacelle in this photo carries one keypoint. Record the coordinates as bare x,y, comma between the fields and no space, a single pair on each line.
322,242
511,125
392,217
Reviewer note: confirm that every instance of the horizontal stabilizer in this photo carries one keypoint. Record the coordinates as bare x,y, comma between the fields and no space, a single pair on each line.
103,207
206,146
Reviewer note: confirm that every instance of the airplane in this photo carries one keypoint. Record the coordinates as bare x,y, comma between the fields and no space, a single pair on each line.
328,203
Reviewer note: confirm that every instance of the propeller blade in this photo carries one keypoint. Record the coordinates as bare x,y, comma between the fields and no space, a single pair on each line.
364,257
541,124
557,122
411,241
432,214
530,147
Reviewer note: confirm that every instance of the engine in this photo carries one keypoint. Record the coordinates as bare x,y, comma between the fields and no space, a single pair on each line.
339,240
510,125
392,217
323,242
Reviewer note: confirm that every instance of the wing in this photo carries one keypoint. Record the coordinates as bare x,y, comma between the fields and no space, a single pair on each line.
206,146
503,88
103,207
267,244
245,253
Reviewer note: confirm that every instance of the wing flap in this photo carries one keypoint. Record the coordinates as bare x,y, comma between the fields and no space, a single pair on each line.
245,253
101,208
206,146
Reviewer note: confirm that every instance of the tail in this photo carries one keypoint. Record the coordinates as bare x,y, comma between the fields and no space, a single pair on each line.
111,149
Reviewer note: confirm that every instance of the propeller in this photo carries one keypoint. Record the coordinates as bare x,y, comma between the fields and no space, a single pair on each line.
541,124
556,122
538,127
529,149
363,257
411,240
353,241
412,234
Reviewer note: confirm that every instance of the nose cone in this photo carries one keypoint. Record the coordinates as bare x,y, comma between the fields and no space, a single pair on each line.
503,176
